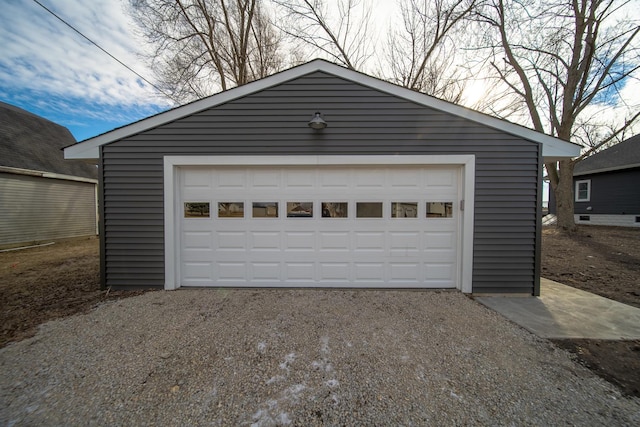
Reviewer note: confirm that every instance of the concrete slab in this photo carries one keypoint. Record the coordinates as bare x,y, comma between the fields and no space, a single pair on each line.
565,312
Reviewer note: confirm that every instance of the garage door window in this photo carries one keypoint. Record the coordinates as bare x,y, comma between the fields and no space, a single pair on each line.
230,209
196,210
369,210
265,209
404,210
299,209
335,210
439,210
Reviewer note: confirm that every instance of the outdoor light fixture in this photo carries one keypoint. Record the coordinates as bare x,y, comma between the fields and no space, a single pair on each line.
317,122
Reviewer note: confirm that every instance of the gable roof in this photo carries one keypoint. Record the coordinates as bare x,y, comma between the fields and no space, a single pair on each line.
623,155
552,148
33,143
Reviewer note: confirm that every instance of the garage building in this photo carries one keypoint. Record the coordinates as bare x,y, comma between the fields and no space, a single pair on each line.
320,176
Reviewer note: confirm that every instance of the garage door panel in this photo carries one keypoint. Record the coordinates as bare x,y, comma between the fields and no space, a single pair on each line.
439,240
230,272
369,241
403,243
334,241
231,241
266,179
405,179
440,178
370,178
299,179
404,272
265,241
197,178
299,272
231,179
369,272
197,240
198,271
266,271
335,179
299,241
334,271
413,251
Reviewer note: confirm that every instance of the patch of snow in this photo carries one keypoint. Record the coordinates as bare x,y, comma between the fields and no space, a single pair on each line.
262,347
275,379
288,359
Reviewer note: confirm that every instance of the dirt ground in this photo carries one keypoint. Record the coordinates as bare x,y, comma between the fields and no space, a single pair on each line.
604,261
48,282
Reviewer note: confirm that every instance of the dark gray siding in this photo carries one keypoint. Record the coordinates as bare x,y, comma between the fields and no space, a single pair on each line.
612,193
34,209
361,121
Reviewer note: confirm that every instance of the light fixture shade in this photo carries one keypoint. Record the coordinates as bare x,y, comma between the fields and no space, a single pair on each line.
317,122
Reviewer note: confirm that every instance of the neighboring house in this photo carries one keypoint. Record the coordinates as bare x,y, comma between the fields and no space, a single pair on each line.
42,196
400,190
607,186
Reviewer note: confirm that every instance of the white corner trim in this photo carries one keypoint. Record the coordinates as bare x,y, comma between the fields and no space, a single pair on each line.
171,240
172,163
468,192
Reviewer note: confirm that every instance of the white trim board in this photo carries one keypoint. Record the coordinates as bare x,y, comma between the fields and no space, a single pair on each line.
552,148
172,163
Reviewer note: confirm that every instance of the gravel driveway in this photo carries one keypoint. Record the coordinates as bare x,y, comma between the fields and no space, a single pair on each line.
298,357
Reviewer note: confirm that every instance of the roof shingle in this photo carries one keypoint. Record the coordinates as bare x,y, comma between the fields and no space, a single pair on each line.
624,155
31,142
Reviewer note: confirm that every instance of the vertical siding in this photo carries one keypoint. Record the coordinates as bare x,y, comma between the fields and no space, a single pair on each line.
36,209
361,121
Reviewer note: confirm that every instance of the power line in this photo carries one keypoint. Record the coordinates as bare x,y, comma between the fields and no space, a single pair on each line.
104,50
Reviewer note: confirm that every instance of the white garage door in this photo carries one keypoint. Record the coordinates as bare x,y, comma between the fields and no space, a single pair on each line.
314,226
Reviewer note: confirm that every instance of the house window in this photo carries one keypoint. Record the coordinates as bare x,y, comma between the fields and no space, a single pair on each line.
585,218
583,190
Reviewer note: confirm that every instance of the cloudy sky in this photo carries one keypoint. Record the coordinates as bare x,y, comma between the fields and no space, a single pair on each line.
50,70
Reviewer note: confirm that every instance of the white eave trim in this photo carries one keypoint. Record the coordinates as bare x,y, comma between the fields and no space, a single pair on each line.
42,174
610,169
553,148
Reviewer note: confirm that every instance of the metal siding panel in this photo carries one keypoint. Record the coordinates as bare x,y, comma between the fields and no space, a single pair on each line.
35,209
368,122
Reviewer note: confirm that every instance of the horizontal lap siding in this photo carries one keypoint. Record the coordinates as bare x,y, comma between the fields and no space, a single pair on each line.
34,209
612,193
360,121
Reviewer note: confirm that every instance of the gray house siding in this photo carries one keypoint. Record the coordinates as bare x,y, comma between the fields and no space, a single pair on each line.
34,209
361,121
612,193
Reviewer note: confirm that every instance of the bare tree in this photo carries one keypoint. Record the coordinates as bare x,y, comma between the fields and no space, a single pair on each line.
560,59
343,32
422,54
202,46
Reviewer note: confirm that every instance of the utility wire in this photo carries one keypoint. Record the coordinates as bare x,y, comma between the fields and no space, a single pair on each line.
102,49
